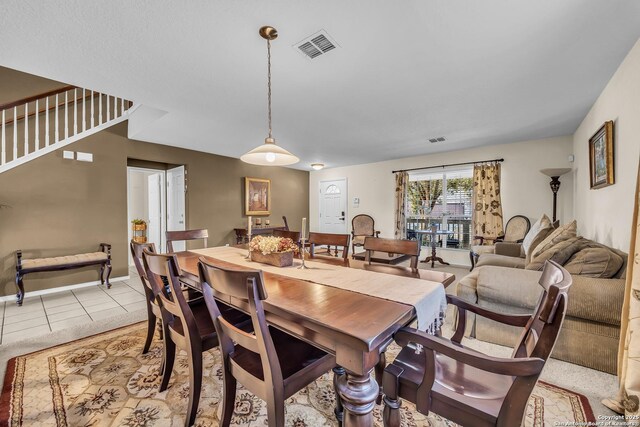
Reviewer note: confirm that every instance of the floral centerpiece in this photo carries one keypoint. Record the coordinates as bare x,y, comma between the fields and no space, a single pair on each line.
276,251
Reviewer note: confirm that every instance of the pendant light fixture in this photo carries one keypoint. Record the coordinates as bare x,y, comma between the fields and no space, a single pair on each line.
269,153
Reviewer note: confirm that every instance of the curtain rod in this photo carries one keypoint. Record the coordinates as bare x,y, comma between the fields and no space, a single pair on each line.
450,164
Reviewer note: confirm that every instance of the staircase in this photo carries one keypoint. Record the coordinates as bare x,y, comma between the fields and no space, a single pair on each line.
35,126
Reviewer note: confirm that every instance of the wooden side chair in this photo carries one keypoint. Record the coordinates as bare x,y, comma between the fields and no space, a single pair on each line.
186,326
329,239
468,387
362,226
286,224
270,363
183,235
392,246
293,235
154,314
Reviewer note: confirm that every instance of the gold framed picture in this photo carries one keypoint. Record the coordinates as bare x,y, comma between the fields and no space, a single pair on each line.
257,196
601,167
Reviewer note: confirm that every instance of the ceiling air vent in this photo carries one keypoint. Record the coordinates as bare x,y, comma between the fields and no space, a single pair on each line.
438,139
316,45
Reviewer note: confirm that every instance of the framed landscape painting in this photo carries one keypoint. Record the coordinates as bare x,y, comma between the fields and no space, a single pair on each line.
257,196
601,157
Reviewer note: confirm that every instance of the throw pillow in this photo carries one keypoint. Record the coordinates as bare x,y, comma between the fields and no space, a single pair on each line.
595,262
560,253
558,235
538,232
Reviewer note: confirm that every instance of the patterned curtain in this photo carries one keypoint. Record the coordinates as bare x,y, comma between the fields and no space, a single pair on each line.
627,401
402,181
487,211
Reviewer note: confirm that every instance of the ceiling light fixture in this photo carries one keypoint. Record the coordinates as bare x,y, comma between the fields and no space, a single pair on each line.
269,153
317,166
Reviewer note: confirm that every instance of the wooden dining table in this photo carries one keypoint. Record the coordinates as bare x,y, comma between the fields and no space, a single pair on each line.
354,327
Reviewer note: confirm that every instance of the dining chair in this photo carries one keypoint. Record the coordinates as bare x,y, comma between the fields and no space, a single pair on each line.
392,246
329,239
186,326
362,226
286,224
183,235
154,314
469,387
270,363
293,235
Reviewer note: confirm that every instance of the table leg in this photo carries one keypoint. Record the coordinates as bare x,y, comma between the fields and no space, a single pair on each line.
358,394
338,372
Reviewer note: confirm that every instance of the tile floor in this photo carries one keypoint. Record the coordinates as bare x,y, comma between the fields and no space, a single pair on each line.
42,314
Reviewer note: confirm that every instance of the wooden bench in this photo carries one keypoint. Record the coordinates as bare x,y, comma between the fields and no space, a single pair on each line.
36,265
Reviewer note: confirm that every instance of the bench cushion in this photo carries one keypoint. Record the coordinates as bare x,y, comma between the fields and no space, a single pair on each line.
63,260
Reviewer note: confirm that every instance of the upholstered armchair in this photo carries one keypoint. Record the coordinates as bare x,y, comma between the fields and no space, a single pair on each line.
362,226
517,227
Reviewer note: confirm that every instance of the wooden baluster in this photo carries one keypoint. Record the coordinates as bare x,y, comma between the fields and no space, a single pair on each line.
57,133
3,159
108,108
46,123
100,109
84,111
15,133
26,129
66,115
37,126
122,106
115,107
75,111
93,119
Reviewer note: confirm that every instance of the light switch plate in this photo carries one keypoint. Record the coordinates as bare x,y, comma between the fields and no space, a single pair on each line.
69,155
84,157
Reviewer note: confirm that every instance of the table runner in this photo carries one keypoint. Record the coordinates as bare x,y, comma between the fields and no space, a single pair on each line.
426,296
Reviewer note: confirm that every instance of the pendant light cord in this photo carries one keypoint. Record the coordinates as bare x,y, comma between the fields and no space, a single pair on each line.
269,81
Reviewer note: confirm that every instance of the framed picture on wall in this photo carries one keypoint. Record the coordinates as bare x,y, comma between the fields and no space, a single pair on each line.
601,157
257,196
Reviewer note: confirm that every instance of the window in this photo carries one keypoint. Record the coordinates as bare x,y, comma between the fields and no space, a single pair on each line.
442,199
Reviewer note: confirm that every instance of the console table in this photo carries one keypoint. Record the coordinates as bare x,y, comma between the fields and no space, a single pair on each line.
241,233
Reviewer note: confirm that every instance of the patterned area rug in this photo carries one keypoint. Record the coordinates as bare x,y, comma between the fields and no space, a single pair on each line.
104,381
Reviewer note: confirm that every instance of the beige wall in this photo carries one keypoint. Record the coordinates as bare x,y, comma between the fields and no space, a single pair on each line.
60,206
524,189
605,214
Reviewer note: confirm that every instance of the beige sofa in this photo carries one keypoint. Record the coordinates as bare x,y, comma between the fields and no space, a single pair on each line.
591,329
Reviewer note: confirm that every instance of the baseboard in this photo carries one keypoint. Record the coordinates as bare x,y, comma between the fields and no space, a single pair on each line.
62,289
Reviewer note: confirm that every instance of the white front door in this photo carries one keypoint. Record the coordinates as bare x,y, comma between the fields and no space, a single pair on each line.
176,203
333,206
154,204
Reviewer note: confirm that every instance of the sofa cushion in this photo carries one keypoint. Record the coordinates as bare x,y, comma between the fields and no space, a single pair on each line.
558,235
483,249
595,262
501,261
538,232
560,253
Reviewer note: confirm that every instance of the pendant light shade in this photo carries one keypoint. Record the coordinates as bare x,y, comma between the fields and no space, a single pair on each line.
269,153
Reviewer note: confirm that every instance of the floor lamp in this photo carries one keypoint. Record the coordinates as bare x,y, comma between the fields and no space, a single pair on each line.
555,174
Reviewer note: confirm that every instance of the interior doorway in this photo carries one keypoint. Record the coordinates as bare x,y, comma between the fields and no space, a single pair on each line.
157,197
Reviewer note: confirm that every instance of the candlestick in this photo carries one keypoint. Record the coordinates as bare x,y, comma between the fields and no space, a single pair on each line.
303,233
249,238
302,252
249,226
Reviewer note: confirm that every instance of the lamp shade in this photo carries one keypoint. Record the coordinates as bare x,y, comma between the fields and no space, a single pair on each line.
555,171
269,154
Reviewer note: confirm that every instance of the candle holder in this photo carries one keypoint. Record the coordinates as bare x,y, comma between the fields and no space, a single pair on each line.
249,248
303,252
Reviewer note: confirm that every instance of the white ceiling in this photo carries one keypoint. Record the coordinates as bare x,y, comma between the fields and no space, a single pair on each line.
477,72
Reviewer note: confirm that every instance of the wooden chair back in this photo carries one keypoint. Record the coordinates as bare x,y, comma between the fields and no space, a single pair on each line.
540,334
175,236
329,239
392,246
175,307
137,250
293,235
246,286
286,224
